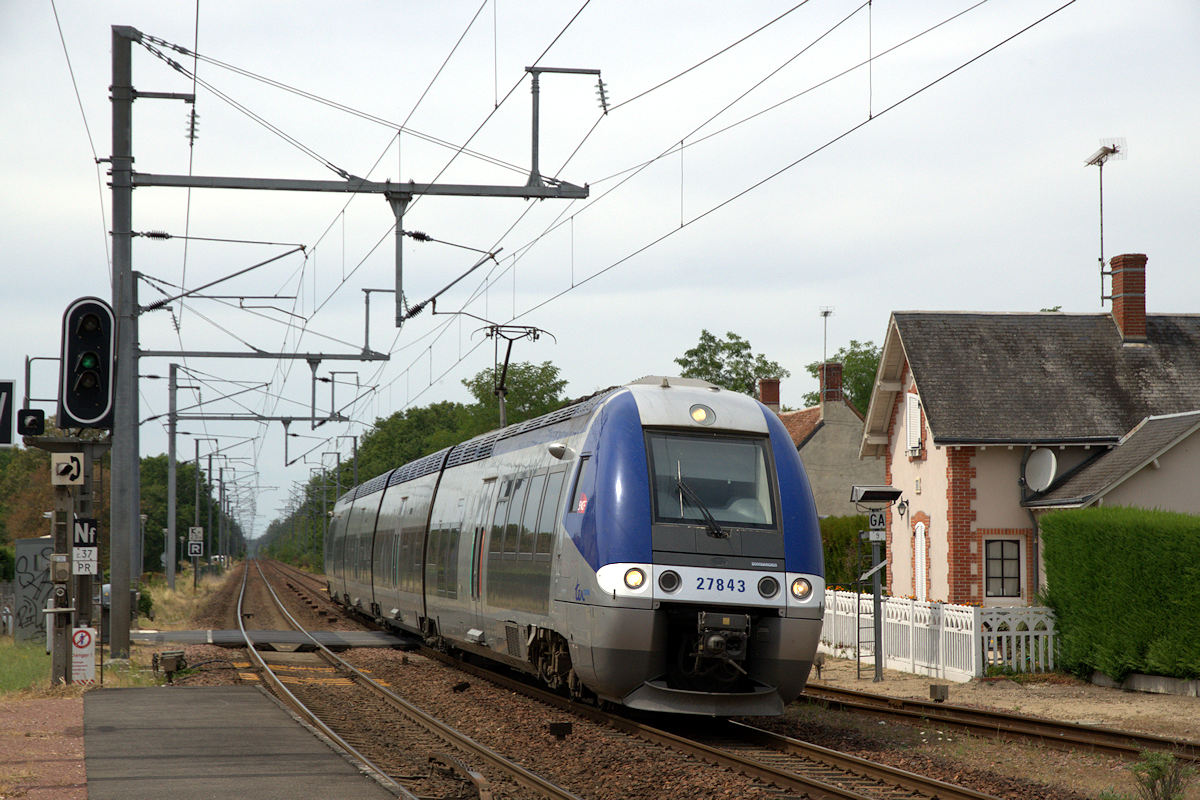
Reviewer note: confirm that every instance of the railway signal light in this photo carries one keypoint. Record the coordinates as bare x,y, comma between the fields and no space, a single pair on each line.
86,374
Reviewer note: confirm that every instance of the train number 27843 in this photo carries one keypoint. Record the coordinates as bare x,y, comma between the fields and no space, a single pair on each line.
710,584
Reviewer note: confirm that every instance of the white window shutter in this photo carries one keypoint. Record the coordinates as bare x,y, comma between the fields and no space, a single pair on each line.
919,572
912,419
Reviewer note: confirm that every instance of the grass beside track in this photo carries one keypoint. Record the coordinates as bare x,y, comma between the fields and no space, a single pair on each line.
174,608
22,665
25,666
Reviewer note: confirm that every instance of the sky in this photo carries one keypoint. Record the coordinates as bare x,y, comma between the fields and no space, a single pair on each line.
836,155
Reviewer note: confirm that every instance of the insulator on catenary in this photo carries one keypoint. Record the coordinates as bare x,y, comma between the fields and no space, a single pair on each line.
418,235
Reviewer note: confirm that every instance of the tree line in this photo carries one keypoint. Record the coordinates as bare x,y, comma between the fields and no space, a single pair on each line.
26,495
532,390
298,536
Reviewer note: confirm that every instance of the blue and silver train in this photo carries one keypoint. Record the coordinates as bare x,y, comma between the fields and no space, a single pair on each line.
654,546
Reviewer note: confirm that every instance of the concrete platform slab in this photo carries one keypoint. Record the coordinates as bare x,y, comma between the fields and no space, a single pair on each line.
196,743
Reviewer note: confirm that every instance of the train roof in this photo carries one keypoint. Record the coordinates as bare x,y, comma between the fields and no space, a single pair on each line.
482,446
477,448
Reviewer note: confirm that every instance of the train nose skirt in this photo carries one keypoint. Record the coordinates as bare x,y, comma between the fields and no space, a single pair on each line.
287,641
655,695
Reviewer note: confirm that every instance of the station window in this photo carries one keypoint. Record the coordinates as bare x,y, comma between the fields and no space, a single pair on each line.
1002,567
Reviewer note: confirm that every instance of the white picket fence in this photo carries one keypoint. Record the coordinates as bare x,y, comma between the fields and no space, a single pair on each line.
943,640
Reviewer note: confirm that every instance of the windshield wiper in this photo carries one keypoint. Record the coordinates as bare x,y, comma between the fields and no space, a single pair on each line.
714,528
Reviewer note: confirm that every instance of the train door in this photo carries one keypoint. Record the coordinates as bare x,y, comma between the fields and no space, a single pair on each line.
479,530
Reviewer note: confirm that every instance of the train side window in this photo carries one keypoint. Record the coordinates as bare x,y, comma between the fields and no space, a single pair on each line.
499,517
485,505
579,498
397,566
485,498
530,517
548,519
516,502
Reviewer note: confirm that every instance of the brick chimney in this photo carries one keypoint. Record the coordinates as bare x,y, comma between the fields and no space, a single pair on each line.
1129,295
831,382
768,393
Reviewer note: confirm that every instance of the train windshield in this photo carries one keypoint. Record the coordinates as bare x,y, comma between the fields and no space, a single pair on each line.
698,479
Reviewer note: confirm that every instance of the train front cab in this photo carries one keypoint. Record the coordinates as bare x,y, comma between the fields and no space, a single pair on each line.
718,596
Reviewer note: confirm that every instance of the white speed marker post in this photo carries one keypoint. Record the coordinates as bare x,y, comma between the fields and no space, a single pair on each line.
195,549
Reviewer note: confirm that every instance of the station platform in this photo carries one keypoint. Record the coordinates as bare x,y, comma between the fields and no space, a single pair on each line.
291,641
196,743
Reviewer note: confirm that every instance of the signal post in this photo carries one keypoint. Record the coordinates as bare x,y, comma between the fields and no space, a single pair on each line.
85,400
74,561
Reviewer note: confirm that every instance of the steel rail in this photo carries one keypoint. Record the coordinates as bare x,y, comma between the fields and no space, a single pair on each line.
1003,724
302,709
788,779
511,769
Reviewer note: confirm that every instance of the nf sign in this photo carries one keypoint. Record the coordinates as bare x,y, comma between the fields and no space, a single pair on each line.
85,560
85,532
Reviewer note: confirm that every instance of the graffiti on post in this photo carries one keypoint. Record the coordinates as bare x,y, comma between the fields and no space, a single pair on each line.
32,577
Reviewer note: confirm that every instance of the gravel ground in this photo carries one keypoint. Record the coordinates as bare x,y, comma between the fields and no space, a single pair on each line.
1055,696
593,761
989,765
41,742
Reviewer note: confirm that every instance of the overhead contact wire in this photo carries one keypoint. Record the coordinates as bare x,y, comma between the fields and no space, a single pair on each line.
88,130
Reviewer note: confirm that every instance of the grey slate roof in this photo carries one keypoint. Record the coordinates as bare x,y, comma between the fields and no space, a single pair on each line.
1149,440
1047,377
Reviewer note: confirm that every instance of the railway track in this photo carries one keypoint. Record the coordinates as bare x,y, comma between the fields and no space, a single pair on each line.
1004,725
799,768
336,698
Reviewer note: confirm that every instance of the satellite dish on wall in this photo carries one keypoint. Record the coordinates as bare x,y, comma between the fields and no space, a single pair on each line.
1040,469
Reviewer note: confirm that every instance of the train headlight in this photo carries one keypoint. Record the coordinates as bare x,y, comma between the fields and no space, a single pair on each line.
768,586
702,414
801,589
669,580
635,577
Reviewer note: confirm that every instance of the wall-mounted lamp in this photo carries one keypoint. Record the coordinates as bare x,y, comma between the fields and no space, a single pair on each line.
902,507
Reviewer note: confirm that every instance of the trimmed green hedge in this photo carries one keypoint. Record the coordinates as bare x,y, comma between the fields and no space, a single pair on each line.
1124,584
839,536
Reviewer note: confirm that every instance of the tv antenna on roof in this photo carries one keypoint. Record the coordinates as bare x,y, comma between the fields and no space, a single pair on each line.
825,312
1113,149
